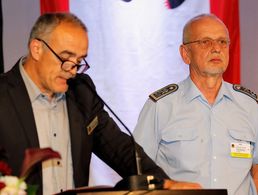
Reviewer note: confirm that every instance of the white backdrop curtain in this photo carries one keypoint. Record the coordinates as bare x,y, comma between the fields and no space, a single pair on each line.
133,51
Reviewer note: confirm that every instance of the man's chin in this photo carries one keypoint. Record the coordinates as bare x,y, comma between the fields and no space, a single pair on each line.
215,71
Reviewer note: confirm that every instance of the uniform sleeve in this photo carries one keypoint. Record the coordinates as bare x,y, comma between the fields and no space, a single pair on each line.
255,119
145,132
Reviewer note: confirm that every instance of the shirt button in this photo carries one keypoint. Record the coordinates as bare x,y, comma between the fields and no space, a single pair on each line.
214,157
54,134
215,180
58,163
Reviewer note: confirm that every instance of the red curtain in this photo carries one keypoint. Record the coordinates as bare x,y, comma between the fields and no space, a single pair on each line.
228,12
54,6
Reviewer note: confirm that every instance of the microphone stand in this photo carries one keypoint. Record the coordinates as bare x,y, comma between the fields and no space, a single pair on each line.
138,181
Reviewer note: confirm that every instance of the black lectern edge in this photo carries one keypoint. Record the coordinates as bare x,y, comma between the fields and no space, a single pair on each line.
174,192
87,189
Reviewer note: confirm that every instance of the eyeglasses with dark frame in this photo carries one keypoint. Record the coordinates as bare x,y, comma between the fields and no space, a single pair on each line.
68,65
207,43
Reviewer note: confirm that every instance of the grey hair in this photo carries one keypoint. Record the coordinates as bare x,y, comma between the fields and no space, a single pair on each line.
46,23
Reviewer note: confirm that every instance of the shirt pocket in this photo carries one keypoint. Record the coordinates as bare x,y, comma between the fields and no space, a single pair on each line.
241,137
180,145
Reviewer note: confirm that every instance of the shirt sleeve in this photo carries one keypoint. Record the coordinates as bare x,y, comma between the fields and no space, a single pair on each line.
145,132
255,119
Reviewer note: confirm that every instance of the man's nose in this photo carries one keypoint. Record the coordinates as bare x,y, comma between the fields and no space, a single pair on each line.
215,46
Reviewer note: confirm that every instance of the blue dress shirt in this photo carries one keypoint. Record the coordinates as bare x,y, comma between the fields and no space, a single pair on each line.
192,140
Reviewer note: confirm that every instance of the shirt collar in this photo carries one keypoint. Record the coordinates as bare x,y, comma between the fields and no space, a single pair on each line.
225,91
32,88
191,92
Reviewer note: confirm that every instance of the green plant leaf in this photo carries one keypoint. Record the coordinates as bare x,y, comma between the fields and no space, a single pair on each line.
32,189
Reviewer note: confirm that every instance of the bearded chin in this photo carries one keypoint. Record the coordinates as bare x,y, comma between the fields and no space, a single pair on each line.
215,71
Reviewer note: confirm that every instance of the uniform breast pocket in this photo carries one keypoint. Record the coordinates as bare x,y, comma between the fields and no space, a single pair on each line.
241,148
180,145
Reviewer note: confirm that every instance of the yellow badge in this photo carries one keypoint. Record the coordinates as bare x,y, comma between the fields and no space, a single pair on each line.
240,150
93,124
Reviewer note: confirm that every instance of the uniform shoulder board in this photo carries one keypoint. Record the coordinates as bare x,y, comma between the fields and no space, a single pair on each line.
163,92
245,91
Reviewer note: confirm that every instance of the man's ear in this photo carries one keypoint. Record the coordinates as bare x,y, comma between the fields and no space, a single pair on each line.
184,51
35,47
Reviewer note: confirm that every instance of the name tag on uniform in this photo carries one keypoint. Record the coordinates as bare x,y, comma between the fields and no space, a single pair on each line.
93,124
240,150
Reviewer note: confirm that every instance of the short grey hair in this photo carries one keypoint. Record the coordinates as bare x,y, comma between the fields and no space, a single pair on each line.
47,22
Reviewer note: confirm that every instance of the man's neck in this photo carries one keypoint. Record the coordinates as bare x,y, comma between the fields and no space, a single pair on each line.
209,86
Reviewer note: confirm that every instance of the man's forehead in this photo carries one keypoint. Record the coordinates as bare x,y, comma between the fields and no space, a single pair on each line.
67,28
68,31
207,27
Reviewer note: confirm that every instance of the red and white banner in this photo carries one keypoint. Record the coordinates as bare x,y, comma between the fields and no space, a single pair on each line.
133,50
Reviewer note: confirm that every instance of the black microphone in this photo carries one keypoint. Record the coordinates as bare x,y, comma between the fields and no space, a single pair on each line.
137,155
138,181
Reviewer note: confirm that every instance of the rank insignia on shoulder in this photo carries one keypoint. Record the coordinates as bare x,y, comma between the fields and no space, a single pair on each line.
163,92
245,91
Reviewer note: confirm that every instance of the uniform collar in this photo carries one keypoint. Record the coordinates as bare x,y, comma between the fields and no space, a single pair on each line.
191,91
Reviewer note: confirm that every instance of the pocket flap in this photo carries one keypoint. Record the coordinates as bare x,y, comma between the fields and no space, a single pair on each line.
244,135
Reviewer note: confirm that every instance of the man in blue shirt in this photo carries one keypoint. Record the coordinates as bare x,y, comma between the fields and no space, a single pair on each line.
203,129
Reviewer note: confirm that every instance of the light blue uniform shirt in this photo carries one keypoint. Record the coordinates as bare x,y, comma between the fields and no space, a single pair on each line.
53,131
192,140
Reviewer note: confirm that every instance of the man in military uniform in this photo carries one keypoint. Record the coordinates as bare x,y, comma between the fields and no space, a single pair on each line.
203,129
